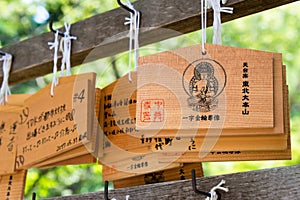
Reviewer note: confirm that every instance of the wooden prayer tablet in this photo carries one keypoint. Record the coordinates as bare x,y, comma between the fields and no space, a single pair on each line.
97,129
119,156
130,169
12,185
9,121
8,148
228,88
231,151
84,159
178,173
229,143
66,156
214,156
123,141
119,105
236,139
15,100
53,125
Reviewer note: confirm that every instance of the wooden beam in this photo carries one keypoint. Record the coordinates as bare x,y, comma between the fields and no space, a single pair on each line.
277,183
106,34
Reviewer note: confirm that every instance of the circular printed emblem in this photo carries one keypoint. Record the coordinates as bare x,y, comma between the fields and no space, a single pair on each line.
203,81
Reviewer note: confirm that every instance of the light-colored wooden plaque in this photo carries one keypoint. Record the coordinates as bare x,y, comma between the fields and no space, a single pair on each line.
179,173
8,148
77,152
113,114
97,129
228,88
119,156
57,124
9,122
234,155
79,155
12,185
229,143
131,168
134,140
84,159
237,155
226,143
130,142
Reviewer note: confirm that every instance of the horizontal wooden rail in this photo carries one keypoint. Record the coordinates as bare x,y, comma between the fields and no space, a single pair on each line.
277,183
107,35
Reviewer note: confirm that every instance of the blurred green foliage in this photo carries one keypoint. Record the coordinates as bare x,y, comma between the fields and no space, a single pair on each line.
275,30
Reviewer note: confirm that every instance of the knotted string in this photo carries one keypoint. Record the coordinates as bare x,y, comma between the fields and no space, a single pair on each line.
54,45
213,193
65,48
217,19
134,22
5,91
215,4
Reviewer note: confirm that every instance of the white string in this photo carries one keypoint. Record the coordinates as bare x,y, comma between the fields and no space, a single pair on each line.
5,91
54,45
134,22
213,193
215,4
217,19
65,48
203,23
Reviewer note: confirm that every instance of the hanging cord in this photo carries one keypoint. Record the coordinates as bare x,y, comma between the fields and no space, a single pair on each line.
203,24
215,4
5,91
54,45
65,48
217,19
213,193
134,22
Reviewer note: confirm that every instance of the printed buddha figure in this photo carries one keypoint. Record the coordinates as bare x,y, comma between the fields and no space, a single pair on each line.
203,87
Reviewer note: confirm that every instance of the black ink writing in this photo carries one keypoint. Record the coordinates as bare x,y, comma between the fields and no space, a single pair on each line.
23,116
52,124
117,103
79,96
9,187
192,145
20,161
44,116
245,90
181,173
224,152
138,165
58,134
2,127
71,142
113,125
159,142
202,118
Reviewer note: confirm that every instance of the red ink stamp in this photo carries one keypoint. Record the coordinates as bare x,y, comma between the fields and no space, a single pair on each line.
152,110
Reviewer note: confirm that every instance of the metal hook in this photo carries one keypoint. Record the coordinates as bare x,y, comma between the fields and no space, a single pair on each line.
2,53
125,7
195,187
106,190
51,26
129,9
34,196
